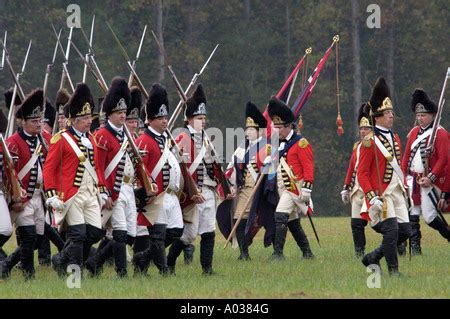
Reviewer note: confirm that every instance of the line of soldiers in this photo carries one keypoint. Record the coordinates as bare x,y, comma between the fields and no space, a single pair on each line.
381,181
92,183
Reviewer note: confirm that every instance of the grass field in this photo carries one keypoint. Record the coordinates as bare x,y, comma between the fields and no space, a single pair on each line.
335,273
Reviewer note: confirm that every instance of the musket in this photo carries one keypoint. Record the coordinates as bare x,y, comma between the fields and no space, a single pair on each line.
17,87
130,66
188,91
222,179
47,72
131,77
190,183
16,190
65,72
90,46
3,54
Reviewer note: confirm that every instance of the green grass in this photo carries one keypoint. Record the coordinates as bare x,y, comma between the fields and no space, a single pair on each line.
335,273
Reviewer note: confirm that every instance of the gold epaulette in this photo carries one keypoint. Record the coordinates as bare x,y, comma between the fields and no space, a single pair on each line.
355,145
303,143
55,138
366,142
268,149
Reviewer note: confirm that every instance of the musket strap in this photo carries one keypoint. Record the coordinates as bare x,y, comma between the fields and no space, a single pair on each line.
115,161
87,165
30,164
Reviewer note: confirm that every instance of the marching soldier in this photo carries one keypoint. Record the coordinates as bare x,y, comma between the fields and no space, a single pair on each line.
74,184
445,195
5,218
49,119
163,167
247,164
29,216
116,161
425,184
199,211
352,192
382,180
295,177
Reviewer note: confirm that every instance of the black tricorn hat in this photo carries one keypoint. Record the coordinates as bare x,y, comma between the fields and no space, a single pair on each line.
196,104
8,97
62,97
421,103
31,107
254,117
364,119
49,114
380,100
81,102
158,103
135,105
3,122
118,96
279,112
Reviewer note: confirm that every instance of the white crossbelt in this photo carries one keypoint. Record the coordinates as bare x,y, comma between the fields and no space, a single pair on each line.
79,153
162,160
252,172
391,159
197,160
30,164
420,138
115,161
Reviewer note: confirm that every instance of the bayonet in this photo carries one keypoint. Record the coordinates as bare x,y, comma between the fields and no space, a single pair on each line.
90,47
3,54
49,66
130,78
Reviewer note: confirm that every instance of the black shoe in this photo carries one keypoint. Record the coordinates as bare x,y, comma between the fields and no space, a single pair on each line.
208,271
276,256
188,254
244,256
47,261
401,248
307,254
59,265
373,258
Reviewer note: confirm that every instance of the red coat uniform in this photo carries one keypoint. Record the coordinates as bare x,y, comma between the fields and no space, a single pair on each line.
438,161
19,147
5,177
446,186
367,171
351,171
301,161
187,145
63,171
108,146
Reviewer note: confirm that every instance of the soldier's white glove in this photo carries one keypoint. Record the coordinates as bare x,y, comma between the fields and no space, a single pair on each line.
345,195
55,203
305,195
267,160
375,209
103,199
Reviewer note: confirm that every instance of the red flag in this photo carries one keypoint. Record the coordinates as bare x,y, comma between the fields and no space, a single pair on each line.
312,80
285,89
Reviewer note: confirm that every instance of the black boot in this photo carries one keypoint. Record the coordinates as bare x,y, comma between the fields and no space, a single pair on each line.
158,249
281,221
3,240
172,234
174,251
109,259
44,252
242,241
94,264
72,253
8,264
141,243
119,249
373,258
93,236
404,233
53,235
389,229
299,235
27,236
416,235
207,252
359,237
440,226
189,254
